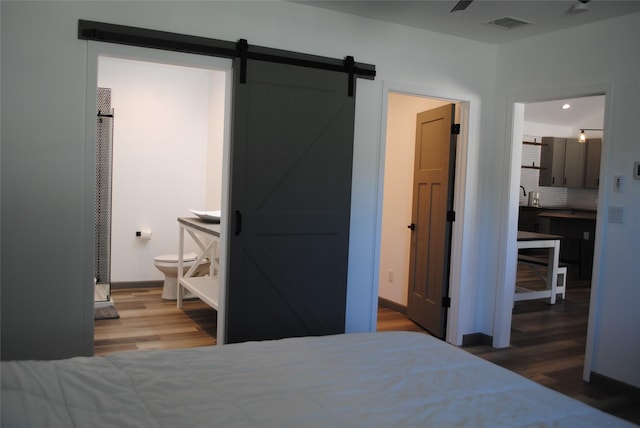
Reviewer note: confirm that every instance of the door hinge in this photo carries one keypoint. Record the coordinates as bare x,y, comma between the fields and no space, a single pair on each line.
451,216
455,128
446,302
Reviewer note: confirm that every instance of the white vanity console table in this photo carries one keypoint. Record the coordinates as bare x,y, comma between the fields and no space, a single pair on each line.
206,236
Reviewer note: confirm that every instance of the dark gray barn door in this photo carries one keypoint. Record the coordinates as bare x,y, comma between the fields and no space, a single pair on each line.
292,150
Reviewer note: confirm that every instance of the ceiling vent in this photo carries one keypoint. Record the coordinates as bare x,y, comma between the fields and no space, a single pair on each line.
508,22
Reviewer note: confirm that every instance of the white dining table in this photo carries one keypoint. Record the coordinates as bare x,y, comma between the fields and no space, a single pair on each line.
528,240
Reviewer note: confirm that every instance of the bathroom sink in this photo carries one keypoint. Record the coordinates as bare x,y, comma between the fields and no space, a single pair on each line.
209,216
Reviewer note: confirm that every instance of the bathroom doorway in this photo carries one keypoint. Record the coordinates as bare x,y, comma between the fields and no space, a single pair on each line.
168,150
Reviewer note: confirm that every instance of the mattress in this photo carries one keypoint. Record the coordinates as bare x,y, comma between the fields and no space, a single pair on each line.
382,379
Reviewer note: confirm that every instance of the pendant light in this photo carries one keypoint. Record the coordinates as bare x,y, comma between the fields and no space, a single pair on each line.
583,138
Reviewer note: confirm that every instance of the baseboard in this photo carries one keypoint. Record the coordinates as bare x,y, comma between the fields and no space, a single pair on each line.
475,339
596,378
392,305
136,284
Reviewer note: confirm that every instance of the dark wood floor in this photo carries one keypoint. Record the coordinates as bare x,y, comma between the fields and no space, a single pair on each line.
547,341
547,346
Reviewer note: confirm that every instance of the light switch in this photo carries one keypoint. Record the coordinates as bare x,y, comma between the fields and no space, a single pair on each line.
618,183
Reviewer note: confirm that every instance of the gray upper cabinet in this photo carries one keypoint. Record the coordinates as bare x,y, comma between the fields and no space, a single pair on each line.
574,159
552,156
592,164
562,162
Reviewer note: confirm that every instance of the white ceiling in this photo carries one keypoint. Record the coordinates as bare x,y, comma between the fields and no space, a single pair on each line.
434,15
587,112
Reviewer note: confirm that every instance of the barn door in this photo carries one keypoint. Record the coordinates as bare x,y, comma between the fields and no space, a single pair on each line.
291,162
432,214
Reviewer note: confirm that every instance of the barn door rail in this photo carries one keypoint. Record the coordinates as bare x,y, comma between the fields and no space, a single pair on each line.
155,39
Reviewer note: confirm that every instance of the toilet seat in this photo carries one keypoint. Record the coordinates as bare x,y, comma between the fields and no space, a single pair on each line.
173,258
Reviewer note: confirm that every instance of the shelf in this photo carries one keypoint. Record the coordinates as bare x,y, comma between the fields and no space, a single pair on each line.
532,143
204,287
531,167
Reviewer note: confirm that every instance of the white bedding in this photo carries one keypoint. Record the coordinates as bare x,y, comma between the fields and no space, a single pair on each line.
375,380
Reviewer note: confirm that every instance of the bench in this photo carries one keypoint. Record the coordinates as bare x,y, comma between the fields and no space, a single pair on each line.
535,263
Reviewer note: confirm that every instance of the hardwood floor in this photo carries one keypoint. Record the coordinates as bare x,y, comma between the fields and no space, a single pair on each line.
149,322
547,346
547,341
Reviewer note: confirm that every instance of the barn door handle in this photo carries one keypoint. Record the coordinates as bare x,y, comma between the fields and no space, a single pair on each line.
412,226
238,223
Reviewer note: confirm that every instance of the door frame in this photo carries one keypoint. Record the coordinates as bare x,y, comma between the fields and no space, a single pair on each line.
507,251
135,53
469,126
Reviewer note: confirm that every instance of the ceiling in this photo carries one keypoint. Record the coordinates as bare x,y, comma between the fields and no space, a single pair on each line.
435,15
587,112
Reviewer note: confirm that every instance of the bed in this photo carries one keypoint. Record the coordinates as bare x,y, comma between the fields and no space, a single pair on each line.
382,379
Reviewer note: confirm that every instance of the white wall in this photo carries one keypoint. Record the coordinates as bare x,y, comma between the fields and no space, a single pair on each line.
167,153
44,76
215,137
587,60
398,193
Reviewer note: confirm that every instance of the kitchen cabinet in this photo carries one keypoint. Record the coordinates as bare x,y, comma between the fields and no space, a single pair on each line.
552,161
563,162
592,163
578,231
528,220
574,160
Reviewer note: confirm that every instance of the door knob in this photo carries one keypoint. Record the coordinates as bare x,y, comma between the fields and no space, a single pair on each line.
412,226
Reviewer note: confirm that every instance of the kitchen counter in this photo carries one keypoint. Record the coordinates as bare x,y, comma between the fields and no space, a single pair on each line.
560,208
569,215
577,226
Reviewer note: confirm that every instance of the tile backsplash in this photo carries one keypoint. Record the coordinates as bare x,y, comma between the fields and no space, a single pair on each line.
550,196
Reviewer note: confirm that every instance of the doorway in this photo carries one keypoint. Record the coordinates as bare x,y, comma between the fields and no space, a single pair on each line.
516,124
167,157
568,210
344,122
395,236
171,148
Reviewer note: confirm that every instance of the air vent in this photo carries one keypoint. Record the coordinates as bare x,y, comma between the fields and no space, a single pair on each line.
508,22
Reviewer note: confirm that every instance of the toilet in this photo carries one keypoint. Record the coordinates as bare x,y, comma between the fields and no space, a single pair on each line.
168,265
